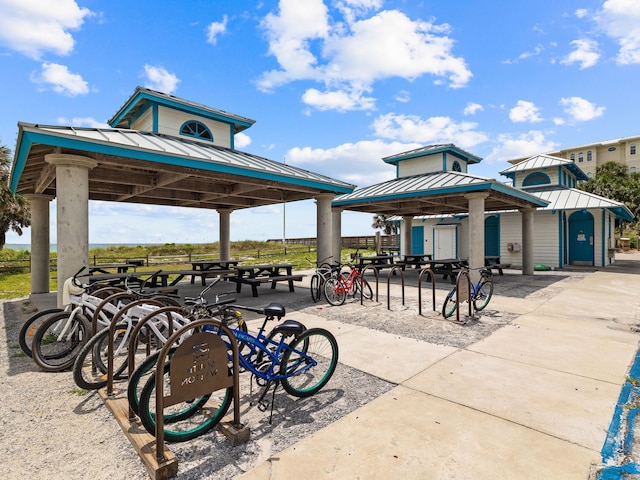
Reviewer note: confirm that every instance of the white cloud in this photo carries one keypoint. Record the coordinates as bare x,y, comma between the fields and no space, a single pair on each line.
620,19
60,80
525,112
82,122
585,53
357,163
581,12
158,78
33,27
520,145
241,140
581,110
349,54
411,128
215,29
472,108
339,100
523,56
403,96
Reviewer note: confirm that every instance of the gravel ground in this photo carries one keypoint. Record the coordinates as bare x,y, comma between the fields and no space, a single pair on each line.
52,430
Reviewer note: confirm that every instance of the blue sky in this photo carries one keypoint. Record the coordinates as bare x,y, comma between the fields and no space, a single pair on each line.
334,86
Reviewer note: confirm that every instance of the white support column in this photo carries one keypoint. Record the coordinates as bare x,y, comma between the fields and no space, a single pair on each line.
476,231
405,235
225,233
40,242
336,222
527,241
324,226
72,191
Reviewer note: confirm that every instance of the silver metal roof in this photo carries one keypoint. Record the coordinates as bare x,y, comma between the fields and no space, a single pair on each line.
431,193
431,149
574,199
544,161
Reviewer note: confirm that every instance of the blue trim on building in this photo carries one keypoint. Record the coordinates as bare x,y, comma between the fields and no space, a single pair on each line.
604,214
29,138
560,240
155,120
444,161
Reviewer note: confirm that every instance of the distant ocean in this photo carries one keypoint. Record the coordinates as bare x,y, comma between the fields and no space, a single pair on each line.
53,246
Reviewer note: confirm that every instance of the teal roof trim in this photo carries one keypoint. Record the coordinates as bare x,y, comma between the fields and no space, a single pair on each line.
448,148
142,96
307,179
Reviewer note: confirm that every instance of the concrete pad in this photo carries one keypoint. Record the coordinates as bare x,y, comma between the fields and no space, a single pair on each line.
406,434
569,407
387,356
578,354
613,330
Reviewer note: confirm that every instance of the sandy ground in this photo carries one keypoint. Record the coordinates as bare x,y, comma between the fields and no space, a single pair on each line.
53,430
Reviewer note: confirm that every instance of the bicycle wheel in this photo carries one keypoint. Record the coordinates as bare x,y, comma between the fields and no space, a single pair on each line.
315,288
483,294
333,292
363,286
186,420
449,306
309,363
28,330
90,366
58,341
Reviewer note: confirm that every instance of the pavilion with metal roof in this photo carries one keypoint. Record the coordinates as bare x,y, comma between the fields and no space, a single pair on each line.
432,180
173,153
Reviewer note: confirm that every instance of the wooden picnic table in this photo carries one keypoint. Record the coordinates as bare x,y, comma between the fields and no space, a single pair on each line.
448,267
255,275
376,261
492,262
417,260
105,267
213,268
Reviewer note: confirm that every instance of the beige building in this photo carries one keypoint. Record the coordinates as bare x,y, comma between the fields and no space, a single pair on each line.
625,150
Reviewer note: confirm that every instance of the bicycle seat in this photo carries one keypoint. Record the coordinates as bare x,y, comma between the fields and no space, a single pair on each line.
274,309
289,327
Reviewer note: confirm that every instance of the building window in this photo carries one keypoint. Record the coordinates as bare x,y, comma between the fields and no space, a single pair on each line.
589,157
632,170
573,157
196,129
632,149
456,167
580,157
590,175
536,178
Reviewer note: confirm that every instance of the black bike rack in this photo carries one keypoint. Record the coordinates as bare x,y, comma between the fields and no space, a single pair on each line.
375,270
428,271
392,271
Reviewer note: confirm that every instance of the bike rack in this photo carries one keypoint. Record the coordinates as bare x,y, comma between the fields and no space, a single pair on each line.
463,273
375,270
393,270
428,271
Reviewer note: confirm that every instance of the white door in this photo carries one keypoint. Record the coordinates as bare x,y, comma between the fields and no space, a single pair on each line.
444,242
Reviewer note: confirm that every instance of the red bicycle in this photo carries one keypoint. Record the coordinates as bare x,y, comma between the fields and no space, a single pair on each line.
337,288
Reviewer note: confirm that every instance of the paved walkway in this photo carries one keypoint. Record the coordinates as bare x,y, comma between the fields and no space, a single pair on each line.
534,400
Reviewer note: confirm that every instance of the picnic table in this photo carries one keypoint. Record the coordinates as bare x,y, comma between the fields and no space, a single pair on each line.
213,268
417,260
448,267
105,267
376,261
255,275
492,262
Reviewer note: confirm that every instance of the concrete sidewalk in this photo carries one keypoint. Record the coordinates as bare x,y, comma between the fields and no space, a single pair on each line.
533,400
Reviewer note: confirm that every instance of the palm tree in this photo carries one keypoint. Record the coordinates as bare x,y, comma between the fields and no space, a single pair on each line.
381,222
14,210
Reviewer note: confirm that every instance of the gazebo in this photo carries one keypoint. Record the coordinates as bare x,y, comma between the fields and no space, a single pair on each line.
161,150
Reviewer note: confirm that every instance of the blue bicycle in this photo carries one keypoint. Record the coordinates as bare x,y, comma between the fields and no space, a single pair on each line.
301,360
481,293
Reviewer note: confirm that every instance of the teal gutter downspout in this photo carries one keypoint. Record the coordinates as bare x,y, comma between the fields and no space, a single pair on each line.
444,161
154,116
560,244
604,213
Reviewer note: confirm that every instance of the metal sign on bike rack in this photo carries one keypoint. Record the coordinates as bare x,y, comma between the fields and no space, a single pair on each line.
463,292
199,366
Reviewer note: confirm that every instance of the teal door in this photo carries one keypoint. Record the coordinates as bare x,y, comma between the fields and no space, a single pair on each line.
492,236
581,238
417,240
